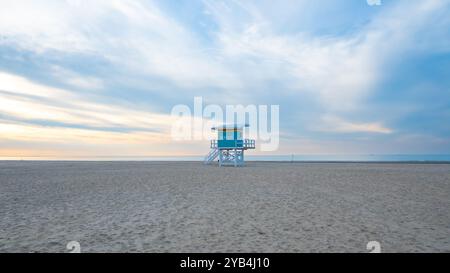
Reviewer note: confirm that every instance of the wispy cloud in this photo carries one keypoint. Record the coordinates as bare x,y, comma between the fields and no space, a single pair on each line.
335,124
26,100
135,35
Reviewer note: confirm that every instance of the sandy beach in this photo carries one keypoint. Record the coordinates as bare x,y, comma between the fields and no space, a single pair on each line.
189,207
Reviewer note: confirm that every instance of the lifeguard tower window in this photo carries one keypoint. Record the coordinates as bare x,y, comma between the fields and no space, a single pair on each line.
239,135
229,135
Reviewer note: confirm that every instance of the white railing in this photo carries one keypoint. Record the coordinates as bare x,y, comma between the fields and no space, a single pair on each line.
247,144
214,144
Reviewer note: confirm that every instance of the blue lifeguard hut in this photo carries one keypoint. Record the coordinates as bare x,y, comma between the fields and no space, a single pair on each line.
229,146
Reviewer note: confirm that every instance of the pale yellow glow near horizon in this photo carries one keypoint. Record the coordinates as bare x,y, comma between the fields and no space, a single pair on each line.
88,127
69,142
32,103
67,107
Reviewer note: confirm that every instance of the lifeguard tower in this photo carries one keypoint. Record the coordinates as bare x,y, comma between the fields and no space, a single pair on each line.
229,146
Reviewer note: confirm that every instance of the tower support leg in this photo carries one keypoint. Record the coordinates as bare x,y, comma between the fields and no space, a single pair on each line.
233,157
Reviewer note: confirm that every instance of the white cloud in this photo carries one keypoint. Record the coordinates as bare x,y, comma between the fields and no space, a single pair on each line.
249,51
134,35
41,25
27,100
340,71
76,80
339,125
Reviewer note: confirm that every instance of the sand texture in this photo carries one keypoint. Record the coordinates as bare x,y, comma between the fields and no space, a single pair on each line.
189,207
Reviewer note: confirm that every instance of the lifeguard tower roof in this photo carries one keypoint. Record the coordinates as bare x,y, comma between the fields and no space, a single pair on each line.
230,126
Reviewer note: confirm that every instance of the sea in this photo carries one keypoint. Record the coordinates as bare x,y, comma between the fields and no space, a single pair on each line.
276,158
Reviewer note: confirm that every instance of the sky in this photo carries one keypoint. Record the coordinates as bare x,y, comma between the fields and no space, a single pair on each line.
99,78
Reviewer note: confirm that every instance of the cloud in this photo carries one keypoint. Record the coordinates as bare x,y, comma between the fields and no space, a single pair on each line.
26,100
341,70
247,49
76,80
109,59
57,121
55,135
335,124
135,36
